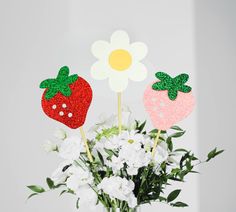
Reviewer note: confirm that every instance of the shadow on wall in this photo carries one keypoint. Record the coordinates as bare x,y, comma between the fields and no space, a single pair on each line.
216,72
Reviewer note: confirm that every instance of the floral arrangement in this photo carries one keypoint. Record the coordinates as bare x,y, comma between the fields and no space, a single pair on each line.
122,165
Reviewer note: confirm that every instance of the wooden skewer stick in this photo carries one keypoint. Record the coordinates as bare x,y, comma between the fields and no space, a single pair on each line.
155,143
119,112
86,144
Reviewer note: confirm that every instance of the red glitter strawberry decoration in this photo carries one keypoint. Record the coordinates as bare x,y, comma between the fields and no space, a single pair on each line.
66,98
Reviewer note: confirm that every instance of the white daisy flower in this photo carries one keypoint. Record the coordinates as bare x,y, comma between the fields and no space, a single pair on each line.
119,60
78,177
71,148
116,163
87,196
120,188
60,134
132,139
135,159
61,173
49,146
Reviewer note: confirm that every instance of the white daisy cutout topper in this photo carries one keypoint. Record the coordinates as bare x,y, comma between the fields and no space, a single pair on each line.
119,61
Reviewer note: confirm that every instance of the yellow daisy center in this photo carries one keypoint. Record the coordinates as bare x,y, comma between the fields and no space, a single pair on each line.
130,141
120,59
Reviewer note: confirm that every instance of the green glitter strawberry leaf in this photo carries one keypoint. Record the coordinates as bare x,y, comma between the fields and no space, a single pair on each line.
172,94
71,79
46,83
185,89
181,79
161,86
163,76
172,85
50,93
59,84
63,74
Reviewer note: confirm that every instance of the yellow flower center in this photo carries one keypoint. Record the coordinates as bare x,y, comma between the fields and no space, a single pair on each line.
120,59
131,141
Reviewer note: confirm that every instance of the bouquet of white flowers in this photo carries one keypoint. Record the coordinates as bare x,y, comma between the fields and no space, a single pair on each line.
123,173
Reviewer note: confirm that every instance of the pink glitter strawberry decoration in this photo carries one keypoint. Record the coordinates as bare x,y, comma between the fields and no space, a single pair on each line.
168,100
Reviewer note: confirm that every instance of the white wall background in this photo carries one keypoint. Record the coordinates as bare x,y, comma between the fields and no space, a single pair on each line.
38,37
216,67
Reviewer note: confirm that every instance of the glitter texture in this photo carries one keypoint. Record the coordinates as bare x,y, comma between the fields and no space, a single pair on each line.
164,112
59,84
77,103
172,85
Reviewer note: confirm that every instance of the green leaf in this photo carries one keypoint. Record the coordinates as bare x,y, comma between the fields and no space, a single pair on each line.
136,124
189,165
194,172
59,185
70,191
176,128
156,131
141,127
176,179
194,158
100,157
162,199
32,195
178,134
63,192
179,204
109,152
77,204
181,150
219,152
183,173
50,183
169,143
37,189
173,195
213,154
184,158
175,171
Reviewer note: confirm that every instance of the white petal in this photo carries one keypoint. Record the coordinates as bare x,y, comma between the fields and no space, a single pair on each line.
87,196
118,84
60,134
72,183
139,50
100,49
132,171
138,72
132,201
120,39
99,70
